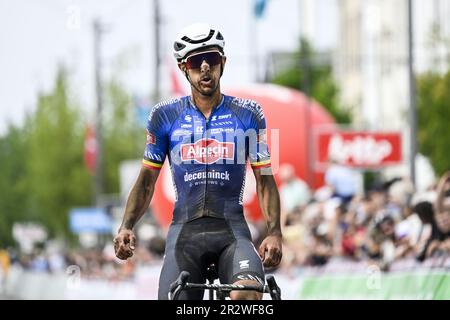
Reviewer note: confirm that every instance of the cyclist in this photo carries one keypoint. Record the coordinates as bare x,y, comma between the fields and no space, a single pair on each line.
208,138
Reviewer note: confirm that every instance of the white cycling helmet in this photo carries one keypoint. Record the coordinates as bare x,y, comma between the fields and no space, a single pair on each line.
196,36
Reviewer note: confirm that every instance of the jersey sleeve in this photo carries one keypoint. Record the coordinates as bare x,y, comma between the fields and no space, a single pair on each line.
259,154
157,143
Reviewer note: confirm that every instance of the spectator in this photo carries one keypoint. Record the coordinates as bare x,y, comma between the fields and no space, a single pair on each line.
294,192
440,243
348,236
294,240
4,268
408,232
342,180
321,246
382,241
39,262
4,261
424,209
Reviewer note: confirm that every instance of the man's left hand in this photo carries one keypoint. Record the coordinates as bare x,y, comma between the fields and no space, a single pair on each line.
270,251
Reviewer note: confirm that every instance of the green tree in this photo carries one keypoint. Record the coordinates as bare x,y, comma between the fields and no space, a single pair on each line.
56,175
317,79
434,118
123,138
13,182
43,174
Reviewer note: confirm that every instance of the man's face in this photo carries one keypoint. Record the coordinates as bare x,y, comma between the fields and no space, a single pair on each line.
442,216
203,68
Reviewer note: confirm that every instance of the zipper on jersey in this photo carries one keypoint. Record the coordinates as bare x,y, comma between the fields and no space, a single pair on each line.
206,166
206,136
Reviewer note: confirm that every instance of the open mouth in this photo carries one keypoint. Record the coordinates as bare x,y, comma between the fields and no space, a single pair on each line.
206,81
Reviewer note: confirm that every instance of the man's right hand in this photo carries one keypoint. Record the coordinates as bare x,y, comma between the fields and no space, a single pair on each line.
124,244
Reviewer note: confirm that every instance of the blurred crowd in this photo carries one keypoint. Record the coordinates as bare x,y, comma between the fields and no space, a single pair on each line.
384,224
96,263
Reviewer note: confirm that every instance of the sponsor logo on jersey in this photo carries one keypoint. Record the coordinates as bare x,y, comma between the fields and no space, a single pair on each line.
250,105
152,156
221,123
243,264
187,118
181,132
210,175
247,276
220,130
207,151
151,139
199,129
224,116
186,125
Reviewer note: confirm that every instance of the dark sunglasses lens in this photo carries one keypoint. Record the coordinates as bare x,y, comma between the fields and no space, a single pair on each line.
194,62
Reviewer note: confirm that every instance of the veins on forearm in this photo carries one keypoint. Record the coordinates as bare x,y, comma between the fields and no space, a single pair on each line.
137,203
270,204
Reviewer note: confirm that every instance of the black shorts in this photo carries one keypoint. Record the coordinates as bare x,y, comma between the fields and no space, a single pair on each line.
194,245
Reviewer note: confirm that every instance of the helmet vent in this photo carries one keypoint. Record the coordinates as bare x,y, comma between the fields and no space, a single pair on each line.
178,46
189,40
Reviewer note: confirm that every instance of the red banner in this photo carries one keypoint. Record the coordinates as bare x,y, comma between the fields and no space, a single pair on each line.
90,149
358,148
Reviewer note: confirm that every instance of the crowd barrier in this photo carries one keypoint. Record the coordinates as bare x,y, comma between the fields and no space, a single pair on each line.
336,280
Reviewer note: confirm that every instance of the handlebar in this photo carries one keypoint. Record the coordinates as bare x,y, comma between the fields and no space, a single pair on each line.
182,284
178,285
274,289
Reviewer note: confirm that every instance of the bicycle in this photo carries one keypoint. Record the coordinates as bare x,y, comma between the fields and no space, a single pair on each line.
222,290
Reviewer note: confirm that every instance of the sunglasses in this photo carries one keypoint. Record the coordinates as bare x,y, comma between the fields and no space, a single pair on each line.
195,61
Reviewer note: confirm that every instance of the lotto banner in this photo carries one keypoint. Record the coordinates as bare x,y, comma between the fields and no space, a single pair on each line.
358,149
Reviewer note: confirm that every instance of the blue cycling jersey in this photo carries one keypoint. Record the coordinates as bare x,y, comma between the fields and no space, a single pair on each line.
207,157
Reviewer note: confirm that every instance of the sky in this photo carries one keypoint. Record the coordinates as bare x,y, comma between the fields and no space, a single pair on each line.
37,36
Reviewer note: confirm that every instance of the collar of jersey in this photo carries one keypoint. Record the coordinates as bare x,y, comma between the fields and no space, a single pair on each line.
191,103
